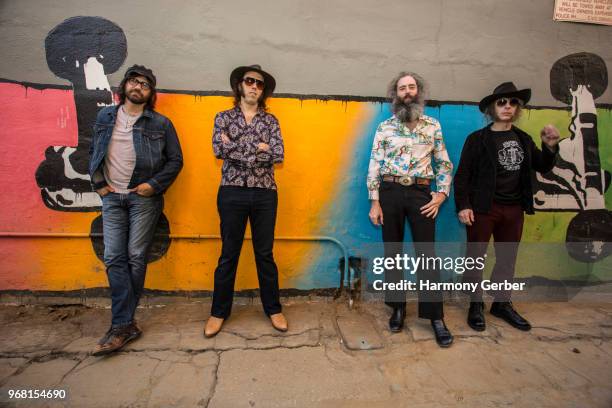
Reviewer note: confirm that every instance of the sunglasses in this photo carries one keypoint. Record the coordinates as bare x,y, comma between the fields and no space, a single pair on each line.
513,102
250,81
143,84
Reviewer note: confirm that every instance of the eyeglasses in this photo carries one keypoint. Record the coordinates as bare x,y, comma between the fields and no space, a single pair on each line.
144,85
250,81
513,102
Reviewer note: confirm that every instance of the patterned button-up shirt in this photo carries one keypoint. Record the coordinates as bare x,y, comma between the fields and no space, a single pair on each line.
398,151
243,163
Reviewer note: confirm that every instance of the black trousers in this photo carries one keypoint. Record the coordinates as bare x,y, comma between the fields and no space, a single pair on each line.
236,205
399,203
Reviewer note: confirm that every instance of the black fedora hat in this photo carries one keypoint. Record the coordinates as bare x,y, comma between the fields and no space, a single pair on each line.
508,90
238,73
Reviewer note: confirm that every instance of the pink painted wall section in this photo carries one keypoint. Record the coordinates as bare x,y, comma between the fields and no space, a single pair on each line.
42,118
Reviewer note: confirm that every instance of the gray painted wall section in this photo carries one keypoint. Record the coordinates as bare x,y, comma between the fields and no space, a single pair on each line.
337,47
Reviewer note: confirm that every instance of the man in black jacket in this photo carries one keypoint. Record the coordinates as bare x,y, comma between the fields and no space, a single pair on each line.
492,191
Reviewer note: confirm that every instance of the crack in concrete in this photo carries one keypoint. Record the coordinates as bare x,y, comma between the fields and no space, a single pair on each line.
274,335
572,337
70,371
588,380
462,337
326,354
73,355
152,382
147,353
542,372
551,329
321,340
213,387
37,359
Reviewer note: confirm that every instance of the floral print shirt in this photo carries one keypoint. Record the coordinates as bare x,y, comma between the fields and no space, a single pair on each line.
244,164
398,151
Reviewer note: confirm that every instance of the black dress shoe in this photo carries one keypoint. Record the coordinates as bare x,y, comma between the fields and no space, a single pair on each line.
444,338
504,310
396,322
475,318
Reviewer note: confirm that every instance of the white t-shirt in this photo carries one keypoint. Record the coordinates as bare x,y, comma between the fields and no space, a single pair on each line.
120,158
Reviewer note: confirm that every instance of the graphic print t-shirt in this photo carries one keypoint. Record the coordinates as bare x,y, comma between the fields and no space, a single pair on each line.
510,156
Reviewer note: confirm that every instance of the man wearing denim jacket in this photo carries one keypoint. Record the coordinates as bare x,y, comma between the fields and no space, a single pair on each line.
135,156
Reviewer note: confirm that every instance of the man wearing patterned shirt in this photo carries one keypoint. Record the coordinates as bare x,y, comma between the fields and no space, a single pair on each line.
408,153
248,140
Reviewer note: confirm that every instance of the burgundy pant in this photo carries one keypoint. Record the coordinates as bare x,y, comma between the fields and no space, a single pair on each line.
505,223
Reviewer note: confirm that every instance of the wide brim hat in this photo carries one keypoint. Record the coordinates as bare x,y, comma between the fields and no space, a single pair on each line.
505,90
238,73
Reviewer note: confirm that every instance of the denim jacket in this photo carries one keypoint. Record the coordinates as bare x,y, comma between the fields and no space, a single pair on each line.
159,158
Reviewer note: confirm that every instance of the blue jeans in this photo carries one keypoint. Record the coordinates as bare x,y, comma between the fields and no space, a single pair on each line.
129,222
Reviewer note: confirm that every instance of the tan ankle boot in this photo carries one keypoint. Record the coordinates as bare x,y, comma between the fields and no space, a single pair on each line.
279,322
213,326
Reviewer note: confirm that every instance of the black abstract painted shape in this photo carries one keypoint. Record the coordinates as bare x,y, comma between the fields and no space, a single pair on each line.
589,236
577,80
63,176
583,68
80,38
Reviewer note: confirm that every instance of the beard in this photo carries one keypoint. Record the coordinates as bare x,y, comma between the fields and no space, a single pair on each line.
408,109
136,97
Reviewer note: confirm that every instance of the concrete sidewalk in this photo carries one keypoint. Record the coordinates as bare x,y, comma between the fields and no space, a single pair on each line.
331,357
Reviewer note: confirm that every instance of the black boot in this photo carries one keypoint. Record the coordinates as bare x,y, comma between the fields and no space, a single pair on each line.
475,318
444,338
505,310
396,322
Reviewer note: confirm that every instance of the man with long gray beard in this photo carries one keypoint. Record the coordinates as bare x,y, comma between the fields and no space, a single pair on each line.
408,153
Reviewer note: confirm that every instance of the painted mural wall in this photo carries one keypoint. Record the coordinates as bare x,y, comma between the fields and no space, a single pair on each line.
50,219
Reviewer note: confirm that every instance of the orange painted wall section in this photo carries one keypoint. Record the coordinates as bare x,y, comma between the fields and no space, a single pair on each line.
313,132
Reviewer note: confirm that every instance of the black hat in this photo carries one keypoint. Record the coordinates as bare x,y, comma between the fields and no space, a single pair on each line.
507,89
141,70
238,73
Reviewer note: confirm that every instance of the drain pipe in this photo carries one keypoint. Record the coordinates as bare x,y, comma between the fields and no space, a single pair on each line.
318,238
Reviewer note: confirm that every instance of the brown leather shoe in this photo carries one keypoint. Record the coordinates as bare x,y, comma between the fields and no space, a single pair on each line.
135,330
115,339
279,322
213,326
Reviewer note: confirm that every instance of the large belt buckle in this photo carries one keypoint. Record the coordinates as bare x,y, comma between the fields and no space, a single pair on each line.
406,180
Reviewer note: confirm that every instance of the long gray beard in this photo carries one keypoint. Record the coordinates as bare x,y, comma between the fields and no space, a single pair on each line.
407,112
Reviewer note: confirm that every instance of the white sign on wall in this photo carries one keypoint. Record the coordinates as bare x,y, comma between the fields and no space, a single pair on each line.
584,11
